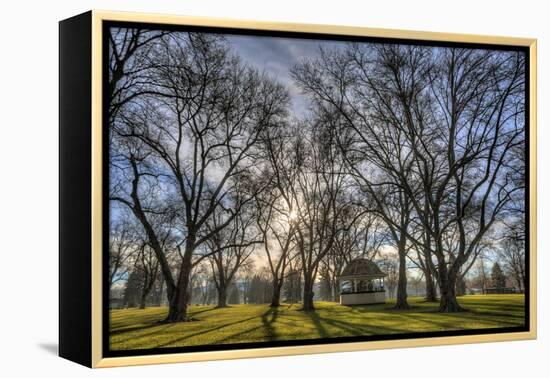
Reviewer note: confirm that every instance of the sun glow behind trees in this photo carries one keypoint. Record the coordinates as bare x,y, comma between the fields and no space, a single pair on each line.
229,165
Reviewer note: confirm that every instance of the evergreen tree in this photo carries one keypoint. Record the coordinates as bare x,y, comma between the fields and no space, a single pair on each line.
498,278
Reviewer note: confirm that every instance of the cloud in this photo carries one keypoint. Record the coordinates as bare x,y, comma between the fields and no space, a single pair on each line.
276,56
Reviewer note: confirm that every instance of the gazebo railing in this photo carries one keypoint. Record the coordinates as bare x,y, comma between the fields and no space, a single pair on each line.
376,290
361,284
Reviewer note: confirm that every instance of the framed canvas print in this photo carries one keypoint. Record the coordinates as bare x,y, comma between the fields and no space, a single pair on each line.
235,189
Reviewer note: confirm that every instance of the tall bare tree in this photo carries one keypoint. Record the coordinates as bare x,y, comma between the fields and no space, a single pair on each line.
374,153
476,101
277,213
441,124
199,123
319,193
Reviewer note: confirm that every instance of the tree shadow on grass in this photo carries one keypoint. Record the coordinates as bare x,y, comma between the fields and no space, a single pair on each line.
122,322
499,306
240,334
157,328
204,332
347,327
453,321
206,310
155,323
499,314
268,318
361,329
134,329
316,320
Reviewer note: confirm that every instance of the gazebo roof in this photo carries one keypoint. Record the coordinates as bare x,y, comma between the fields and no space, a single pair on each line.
362,268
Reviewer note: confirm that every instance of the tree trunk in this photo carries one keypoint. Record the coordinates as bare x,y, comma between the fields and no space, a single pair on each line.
519,282
177,311
276,297
447,302
401,303
142,300
430,287
308,294
222,295
431,295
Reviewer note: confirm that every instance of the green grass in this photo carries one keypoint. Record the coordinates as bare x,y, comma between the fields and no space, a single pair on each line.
138,329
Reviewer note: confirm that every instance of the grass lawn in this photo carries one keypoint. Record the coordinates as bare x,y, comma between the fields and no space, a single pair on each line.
137,329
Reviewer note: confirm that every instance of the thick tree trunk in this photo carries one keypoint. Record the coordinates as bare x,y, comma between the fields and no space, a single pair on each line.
177,311
222,295
431,295
144,293
276,297
447,302
308,294
401,303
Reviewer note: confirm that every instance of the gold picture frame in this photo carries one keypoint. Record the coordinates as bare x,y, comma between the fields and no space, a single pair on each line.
96,18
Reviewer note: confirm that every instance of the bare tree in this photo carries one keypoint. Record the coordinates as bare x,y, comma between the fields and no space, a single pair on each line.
424,259
319,193
388,264
148,268
154,212
441,124
130,53
511,253
292,287
374,153
361,236
477,98
199,124
277,226
230,249
245,277
122,248
277,205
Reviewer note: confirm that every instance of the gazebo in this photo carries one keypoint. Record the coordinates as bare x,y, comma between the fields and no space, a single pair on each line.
362,282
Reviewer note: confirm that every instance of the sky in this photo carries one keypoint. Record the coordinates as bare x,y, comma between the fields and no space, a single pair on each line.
276,56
